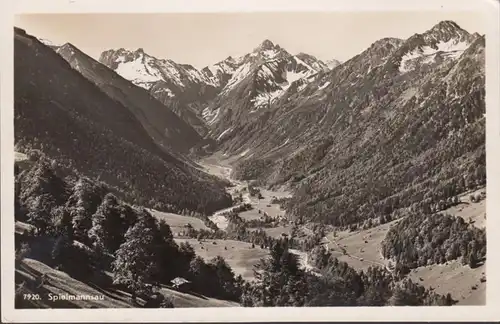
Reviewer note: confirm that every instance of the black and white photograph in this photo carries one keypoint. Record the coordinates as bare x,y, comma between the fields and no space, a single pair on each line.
249,160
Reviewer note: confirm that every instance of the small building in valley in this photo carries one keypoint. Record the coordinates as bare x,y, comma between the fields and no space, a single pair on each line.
181,284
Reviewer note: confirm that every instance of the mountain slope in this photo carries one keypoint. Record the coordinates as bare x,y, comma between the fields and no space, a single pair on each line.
70,119
178,86
261,78
165,127
367,140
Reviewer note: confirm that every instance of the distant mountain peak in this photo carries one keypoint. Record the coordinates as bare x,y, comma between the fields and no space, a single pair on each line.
387,41
333,63
447,30
444,41
267,45
446,25
303,56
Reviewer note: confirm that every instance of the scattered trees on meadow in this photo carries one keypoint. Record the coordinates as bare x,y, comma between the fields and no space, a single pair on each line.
281,282
84,229
420,240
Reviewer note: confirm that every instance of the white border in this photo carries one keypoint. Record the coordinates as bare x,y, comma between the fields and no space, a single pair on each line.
490,8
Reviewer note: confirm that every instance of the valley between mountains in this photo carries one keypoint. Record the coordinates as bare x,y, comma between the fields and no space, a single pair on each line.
269,179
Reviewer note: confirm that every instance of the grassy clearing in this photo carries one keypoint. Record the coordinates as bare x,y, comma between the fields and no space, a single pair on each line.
364,250
178,222
363,247
60,283
456,279
185,300
275,232
469,210
239,255
265,206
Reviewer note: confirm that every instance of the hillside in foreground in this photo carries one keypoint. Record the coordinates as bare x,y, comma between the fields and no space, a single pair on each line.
75,237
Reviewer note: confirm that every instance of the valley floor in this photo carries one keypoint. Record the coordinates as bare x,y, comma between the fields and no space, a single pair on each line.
362,248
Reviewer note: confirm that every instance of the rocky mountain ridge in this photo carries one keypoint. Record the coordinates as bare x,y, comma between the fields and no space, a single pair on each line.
370,134
191,91
165,127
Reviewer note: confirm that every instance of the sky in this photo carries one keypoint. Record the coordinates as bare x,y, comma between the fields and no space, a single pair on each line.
201,39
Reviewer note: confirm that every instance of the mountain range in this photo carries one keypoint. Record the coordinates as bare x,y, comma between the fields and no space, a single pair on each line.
335,132
191,91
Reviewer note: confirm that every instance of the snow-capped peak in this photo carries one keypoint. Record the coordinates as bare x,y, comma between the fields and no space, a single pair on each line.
145,70
266,45
446,26
445,40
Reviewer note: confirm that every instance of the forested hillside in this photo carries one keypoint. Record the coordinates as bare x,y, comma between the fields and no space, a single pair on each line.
70,119
371,138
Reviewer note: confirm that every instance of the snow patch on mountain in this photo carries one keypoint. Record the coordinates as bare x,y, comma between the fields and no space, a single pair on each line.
137,72
169,92
299,61
240,74
266,98
265,71
324,85
224,133
210,116
48,42
269,54
451,48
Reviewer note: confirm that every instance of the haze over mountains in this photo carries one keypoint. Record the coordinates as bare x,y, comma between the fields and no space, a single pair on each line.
396,132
